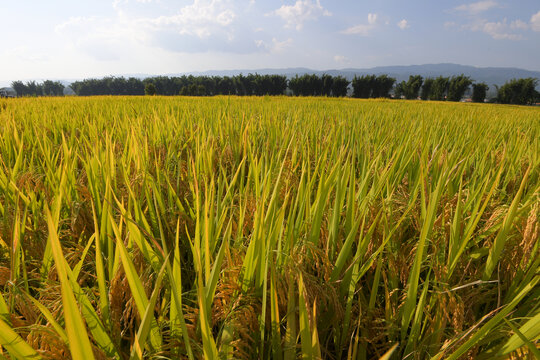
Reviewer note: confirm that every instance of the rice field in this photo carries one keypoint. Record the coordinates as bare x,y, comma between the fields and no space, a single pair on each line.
268,228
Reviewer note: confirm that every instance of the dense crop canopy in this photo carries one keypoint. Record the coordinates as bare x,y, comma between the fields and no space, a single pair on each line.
270,227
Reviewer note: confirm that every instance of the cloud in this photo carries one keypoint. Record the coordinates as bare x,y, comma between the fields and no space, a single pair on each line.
535,22
198,27
202,19
275,46
477,7
303,10
362,29
403,24
280,46
498,30
340,59
102,38
519,25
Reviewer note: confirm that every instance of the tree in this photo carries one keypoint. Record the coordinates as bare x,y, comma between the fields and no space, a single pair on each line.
340,86
52,88
33,88
134,86
381,86
201,90
19,88
479,92
457,87
413,86
409,89
279,84
150,89
306,85
363,86
372,86
426,88
327,82
439,88
518,91
226,86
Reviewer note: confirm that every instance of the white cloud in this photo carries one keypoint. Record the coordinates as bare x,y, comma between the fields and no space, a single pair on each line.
519,25
280,46
498,30
117,3
201,26
362,29
477,7
202,19
275,46
403,24
303,10
102,38
535,22
340,59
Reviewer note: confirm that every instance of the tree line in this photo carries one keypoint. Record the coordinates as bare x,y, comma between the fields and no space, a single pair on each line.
184,85
516,91
32,88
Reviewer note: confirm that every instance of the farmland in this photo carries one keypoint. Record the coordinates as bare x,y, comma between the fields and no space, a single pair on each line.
268,227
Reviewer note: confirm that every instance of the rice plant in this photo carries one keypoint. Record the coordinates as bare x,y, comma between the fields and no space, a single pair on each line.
268,228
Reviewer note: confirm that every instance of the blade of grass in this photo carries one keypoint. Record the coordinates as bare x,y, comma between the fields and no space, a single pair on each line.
79,343
14,344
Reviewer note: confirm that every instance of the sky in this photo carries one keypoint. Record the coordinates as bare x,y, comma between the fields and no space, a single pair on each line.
66,39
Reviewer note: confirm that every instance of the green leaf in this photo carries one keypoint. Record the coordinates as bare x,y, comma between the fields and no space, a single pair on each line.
14,344
79,344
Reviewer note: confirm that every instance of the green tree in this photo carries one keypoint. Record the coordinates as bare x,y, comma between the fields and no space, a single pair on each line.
381,86
411,88
363,86
518,91
32,89
52,88
327,82
226,86
19,88
340,86
439,88
201,90
479,92
426,88
306,85
150,89
457,87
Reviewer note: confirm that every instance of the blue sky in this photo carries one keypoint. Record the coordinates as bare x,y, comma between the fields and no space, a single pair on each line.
61,39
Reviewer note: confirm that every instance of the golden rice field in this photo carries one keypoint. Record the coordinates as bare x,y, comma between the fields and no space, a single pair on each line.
268,228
